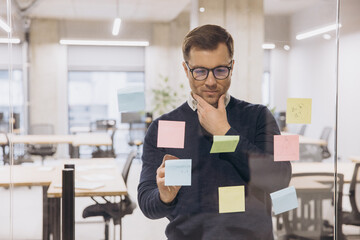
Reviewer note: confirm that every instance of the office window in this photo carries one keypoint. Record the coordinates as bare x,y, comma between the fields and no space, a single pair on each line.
17,98
93,95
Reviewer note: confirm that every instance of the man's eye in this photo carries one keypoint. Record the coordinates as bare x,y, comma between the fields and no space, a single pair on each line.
200,71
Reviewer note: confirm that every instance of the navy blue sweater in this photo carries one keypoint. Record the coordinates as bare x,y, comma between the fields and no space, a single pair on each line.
194,214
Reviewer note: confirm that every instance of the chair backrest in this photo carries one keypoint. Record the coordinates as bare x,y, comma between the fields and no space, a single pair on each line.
302,130
40,129
355,191
325,134
309,220
127,165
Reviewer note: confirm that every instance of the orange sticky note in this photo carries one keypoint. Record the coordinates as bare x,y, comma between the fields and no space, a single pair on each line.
231,199
171,134
286,147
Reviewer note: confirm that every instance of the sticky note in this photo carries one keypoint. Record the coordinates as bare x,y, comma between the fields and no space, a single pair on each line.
298,110
131,100
225,143
286,147
231,199
284,200
178,172
171,134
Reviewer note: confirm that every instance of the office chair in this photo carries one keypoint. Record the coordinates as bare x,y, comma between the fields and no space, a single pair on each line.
302,130
307,222
353,217
115,211
325,136
41,150
106,126
5,156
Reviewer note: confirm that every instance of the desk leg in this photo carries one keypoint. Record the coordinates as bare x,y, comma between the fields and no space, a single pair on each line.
46,215
56,219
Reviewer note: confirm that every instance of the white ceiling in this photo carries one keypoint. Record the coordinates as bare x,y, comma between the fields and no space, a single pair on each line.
134,10
288,7
129,10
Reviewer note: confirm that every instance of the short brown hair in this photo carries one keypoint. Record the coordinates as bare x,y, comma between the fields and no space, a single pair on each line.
207,37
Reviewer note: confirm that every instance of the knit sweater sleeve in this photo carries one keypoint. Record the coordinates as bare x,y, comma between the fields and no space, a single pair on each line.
254,160
148,192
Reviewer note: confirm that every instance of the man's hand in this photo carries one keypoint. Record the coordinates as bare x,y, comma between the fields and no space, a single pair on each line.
167,193
214,120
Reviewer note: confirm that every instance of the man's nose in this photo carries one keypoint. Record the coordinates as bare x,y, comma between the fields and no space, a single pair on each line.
210,80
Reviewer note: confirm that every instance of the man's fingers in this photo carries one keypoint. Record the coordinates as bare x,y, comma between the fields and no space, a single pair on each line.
221,102
169,157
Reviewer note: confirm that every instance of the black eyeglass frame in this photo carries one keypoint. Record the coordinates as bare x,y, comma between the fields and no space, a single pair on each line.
208,70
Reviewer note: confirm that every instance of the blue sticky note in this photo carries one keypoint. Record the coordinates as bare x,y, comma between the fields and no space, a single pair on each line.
284,200
131,100
178,172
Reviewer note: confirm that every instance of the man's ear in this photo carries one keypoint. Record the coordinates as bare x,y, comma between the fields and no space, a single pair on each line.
232,65
185,69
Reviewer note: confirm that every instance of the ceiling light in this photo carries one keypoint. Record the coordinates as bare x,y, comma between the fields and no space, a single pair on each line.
286,47
104,43
202,9
10,40
317,32
268,46
5,26
327,36
116,26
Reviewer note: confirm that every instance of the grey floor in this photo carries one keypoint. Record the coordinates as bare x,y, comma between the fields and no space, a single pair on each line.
26,209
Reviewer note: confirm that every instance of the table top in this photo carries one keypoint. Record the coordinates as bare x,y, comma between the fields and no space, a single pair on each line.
311,184
94,177
355,159
346,168
93,139
307,140
21,175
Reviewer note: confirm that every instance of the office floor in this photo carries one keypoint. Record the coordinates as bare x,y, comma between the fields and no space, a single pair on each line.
27,214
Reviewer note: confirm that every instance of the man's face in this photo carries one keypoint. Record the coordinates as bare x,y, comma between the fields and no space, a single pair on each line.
211,88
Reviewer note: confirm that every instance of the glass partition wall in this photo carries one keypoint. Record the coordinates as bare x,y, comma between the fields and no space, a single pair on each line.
298,58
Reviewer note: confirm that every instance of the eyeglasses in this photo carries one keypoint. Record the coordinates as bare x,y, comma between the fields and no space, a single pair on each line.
201,73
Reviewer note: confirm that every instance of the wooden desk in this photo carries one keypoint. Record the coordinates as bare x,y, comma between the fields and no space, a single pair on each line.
355,159
307,140
74,141
49,177
346,168
30,176
105,168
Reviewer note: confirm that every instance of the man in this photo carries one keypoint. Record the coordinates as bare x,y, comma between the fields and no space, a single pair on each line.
193,210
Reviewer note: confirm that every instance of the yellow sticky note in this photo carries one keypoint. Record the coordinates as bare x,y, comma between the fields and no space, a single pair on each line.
225,143
298,110
231,199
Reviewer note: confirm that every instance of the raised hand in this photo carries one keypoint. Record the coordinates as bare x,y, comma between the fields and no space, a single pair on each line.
214,120
167,193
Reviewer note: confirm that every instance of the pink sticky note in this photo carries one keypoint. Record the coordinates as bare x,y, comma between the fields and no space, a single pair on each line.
171,134
286,147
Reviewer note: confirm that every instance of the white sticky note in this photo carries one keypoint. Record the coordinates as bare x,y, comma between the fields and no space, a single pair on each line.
178,172
284,200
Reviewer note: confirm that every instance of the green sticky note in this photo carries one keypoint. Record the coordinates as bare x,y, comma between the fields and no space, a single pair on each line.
225,143
231,199
298,110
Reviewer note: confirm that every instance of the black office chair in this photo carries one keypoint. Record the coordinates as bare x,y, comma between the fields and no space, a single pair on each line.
307,222
42,150
5,155
353,217
106,126
302,130
325,153
115,211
